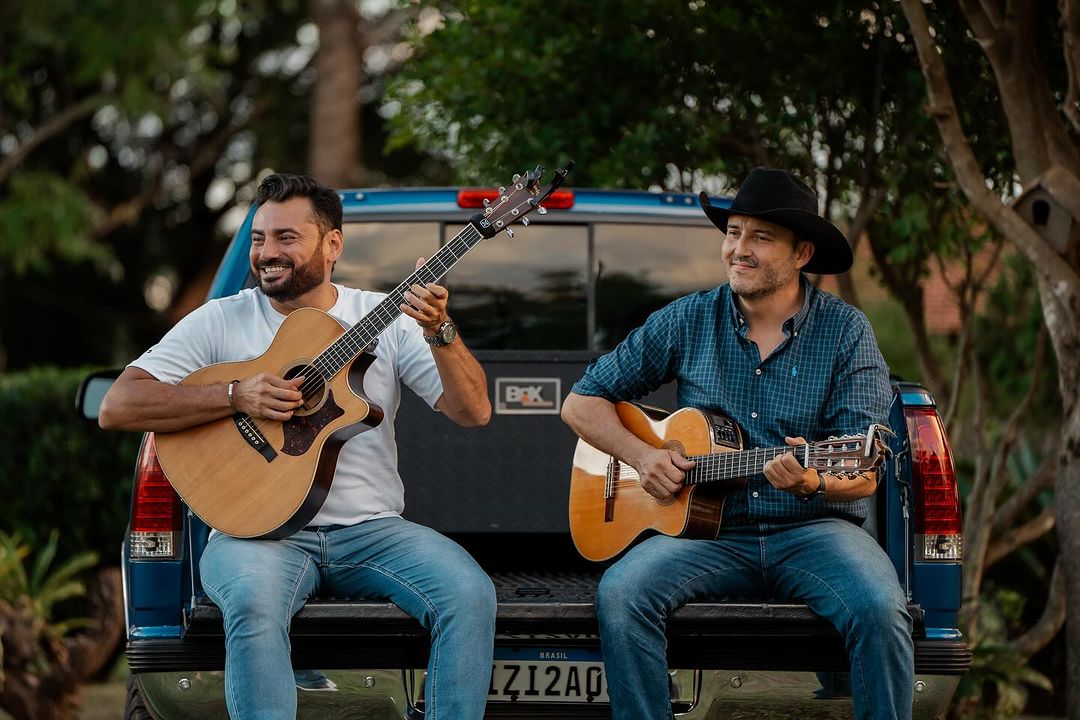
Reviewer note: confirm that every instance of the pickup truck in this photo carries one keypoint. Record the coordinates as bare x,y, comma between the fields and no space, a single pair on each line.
535,309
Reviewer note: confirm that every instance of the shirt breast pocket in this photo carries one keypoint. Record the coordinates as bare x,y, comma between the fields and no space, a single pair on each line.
798,396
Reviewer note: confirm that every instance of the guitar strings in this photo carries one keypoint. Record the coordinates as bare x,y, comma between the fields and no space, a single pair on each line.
721,466
337,352
315,377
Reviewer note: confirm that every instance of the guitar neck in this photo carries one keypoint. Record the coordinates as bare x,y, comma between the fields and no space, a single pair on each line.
361,335
731,465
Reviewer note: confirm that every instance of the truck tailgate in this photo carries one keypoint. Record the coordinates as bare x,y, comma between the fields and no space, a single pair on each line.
545,609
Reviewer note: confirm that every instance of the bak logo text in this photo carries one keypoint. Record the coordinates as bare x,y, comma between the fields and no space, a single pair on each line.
528,396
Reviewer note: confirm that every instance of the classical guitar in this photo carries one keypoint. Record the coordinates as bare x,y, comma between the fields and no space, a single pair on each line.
257,478
609,509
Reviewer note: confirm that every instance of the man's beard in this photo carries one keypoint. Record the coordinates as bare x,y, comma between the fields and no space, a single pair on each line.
771,280
301,280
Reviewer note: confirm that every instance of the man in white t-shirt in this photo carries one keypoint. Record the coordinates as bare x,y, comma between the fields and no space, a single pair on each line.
358,543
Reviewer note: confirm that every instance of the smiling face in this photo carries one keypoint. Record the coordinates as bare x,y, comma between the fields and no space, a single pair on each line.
291,256
762,257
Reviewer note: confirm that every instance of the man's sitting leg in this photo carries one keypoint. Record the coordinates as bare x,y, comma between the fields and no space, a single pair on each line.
434,580
842,574
637,594
259,585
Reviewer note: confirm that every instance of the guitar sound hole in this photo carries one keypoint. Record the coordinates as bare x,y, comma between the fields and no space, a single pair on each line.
314,387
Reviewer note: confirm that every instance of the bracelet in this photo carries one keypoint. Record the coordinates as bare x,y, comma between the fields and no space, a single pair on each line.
232,401
818,492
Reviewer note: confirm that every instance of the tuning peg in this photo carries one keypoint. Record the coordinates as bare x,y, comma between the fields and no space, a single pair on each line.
517,176
542,210
502,190
525,221
510,232
486,202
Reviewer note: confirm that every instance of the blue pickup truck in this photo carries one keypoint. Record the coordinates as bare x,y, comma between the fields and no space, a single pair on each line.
536,309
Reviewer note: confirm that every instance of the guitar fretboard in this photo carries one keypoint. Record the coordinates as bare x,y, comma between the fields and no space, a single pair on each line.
715,467
360,336
730,465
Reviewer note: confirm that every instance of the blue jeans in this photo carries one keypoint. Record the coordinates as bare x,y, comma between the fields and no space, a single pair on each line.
836,568
260,584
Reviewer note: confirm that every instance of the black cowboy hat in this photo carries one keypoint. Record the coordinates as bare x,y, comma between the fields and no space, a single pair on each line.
779,197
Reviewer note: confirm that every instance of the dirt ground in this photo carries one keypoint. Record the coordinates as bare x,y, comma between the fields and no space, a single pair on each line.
104,701
101,701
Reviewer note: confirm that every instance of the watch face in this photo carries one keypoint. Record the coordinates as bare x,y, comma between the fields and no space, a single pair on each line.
448,332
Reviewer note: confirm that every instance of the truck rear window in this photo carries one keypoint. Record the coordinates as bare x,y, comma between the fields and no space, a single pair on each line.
536,291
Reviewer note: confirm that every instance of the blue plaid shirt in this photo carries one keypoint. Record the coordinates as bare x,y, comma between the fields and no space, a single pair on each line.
827,377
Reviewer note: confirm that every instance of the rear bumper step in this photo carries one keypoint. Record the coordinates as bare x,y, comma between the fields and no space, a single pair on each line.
552,610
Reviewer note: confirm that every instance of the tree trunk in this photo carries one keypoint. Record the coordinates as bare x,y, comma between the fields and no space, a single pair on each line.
1066,339
334,150
1058,280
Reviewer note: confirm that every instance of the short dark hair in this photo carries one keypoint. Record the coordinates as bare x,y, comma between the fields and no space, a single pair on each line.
325,201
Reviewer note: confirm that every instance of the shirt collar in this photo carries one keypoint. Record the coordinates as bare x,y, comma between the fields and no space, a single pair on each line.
793,323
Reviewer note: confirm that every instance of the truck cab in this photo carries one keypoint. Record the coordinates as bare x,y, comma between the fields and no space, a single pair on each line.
535,309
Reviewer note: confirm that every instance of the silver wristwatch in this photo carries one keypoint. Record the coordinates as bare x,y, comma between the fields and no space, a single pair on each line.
444,335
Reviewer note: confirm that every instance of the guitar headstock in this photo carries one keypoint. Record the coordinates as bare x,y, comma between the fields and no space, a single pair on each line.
517,200
850,454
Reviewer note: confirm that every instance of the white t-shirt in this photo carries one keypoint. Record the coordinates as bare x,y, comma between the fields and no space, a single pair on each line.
240,327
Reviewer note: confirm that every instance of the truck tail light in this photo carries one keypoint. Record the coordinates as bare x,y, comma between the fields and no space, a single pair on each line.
475,197
156,517
938,526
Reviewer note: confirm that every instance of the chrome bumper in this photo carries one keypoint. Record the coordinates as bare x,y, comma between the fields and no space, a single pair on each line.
701,695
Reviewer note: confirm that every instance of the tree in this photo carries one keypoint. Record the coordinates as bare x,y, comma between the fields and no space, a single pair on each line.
685,98
335,106
1043,121
126,166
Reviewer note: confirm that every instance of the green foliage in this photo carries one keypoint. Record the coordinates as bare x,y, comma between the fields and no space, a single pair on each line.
28,599
59,56
60,470
42,586
45,218
647,93
997,684
1008,329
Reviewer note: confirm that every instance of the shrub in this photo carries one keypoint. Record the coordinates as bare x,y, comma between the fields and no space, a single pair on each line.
60,470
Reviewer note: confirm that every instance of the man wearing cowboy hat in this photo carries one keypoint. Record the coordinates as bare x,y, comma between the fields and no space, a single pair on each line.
786,361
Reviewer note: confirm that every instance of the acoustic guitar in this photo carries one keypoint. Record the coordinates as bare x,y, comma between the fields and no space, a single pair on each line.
609,509
257,478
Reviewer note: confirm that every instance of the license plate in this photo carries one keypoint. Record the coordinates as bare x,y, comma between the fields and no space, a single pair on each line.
563,675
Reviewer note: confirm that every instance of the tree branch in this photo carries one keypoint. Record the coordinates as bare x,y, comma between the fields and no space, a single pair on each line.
998,470
984,17
1070,25
979,507
1042,479
208,151
51,127
1018,537
956,386
1053,617
1061,278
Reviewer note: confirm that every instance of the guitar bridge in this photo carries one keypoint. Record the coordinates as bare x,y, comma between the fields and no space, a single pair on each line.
609,489
253,436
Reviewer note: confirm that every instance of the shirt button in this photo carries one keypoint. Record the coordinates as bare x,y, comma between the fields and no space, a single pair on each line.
758,371
755,493
753,414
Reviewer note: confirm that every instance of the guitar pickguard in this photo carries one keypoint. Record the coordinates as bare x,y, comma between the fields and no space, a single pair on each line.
300,431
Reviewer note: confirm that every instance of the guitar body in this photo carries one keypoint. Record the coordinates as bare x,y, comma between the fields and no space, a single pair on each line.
273,489
609,509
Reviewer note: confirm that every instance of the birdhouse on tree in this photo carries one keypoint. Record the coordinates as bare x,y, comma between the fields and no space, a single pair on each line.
1048,215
